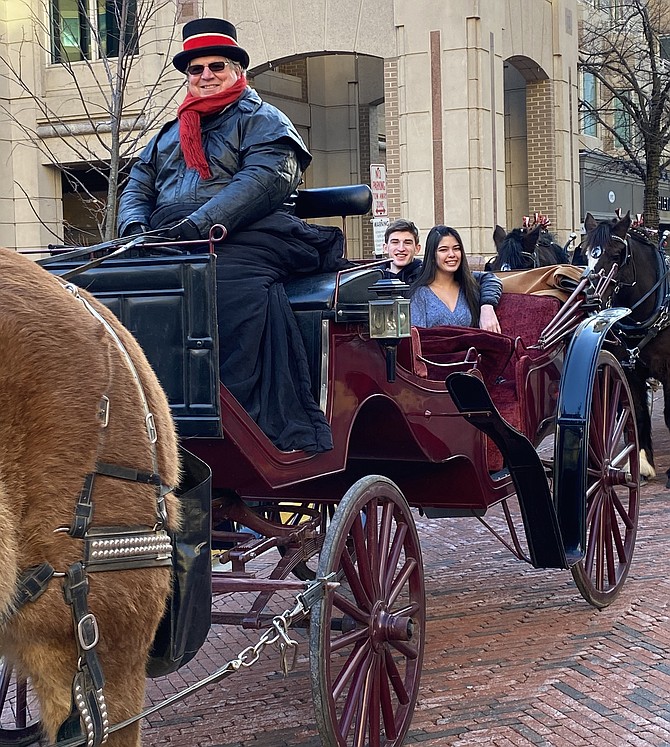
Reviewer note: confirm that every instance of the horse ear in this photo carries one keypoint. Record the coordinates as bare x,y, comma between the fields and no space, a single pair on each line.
589,222
499,236
620,229
530,238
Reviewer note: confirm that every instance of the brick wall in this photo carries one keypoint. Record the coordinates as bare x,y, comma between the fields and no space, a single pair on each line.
297,68
392,137
542,195
366,149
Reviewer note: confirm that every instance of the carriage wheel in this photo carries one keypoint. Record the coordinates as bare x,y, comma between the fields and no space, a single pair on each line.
367,636
613,482
19,720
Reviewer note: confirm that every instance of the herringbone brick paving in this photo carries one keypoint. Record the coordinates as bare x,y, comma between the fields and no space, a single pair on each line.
514,655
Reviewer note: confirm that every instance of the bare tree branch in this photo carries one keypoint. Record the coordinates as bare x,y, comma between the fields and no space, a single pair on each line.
112,112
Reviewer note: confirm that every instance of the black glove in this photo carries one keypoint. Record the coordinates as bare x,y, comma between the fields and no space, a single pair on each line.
185,230
133,229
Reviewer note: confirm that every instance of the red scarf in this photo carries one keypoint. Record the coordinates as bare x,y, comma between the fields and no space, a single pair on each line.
189,114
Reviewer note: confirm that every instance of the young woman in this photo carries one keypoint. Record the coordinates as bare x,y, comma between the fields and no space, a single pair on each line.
447,292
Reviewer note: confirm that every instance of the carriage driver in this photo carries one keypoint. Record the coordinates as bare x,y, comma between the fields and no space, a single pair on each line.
231,159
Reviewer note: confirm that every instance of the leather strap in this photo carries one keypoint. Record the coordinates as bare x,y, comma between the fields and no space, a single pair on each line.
32,583
87,694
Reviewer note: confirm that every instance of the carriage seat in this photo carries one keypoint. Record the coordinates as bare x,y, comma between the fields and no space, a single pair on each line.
503,360
437,352
317,292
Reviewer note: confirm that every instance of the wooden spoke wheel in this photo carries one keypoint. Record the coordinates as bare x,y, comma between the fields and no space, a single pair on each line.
367,636
613,484
19,713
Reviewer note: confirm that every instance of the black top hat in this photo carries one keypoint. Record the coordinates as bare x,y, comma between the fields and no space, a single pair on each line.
210,36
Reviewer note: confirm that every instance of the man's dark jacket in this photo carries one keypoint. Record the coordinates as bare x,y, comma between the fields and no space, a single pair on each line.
256,157
408,274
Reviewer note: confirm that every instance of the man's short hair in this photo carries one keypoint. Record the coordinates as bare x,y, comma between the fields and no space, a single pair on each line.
401,225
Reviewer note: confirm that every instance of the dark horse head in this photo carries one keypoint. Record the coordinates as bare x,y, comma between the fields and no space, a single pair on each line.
521,249
640,266
640,284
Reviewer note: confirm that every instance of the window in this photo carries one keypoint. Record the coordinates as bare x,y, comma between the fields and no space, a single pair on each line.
89,29
588,119
622,123
664,47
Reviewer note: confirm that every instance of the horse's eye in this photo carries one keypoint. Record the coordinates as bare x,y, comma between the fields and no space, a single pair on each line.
596,252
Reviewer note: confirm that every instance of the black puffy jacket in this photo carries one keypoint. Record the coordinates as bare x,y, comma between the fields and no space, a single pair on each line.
256,157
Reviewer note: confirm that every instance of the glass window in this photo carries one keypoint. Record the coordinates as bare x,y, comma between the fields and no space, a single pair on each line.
623,127
664,44
588,119
75,23
70,32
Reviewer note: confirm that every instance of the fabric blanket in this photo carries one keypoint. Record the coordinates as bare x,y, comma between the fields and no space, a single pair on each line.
555,280
263,361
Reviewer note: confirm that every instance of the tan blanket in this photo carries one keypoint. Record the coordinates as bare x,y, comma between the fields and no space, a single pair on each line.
556,280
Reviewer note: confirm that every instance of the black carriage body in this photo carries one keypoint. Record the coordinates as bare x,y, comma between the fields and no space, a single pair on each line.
169,305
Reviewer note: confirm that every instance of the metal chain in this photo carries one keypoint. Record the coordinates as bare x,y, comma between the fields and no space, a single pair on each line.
277,633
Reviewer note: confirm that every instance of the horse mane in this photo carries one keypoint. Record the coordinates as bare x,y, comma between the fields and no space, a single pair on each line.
600,235
546,239
511,251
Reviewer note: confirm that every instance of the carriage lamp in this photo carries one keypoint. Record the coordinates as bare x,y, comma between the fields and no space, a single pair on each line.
389,319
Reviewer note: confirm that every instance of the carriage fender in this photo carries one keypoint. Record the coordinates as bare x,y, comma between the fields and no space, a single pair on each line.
572,419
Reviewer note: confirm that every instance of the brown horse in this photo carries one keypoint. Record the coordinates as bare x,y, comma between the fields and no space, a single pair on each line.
59,363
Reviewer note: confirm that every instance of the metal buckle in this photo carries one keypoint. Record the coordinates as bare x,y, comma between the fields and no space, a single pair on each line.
87,632
103,410
151,428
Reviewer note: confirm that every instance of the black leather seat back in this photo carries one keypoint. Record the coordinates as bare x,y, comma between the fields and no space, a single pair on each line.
169,305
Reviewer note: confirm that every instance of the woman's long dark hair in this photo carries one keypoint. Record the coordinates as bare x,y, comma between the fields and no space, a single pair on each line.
463,276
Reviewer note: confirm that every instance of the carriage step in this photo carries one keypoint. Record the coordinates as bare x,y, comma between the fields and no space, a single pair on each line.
473,401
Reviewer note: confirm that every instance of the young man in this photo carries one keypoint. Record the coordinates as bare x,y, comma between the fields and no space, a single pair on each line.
401,243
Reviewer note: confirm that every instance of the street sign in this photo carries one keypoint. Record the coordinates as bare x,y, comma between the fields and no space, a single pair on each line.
379,226
378,186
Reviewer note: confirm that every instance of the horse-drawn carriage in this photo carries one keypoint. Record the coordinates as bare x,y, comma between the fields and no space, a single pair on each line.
403,441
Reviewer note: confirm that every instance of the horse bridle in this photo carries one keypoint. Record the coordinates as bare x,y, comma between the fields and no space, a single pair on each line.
627,259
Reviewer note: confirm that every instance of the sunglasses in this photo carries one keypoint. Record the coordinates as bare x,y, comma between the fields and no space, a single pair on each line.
215,67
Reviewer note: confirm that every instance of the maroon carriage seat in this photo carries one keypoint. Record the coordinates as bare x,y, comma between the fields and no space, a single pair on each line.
504,361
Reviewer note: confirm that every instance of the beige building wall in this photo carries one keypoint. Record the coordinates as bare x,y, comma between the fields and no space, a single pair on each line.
460,148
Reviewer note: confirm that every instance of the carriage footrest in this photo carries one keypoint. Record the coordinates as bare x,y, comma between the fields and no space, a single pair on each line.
473,401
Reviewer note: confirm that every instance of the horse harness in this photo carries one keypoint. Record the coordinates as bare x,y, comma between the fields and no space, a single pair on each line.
105,549
659,319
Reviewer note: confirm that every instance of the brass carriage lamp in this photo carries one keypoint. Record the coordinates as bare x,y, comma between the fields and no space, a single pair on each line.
389,318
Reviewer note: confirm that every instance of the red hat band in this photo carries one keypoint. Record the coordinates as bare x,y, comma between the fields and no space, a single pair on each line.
208,40
210,36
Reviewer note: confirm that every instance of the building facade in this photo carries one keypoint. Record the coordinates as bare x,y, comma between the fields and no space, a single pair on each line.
470,105
618,37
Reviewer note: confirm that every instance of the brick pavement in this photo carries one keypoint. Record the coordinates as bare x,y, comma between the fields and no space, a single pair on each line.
514,655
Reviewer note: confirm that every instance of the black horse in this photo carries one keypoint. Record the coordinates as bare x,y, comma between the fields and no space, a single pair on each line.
641,284
521,249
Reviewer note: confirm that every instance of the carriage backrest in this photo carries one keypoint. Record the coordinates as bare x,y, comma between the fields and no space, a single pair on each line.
169,305
525,315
